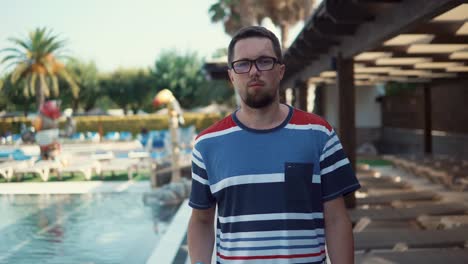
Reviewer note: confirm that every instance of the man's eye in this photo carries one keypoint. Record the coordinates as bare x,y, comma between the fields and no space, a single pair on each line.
242,64
265,61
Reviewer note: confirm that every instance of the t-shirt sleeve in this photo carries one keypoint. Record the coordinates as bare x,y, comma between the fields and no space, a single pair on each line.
336,172
200,196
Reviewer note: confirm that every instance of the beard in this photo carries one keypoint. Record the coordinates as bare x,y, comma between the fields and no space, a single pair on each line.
258,100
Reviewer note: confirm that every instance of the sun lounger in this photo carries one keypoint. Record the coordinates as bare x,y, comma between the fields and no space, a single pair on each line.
426,256
42,168
443,222
371,240
404,195
128,165
84,166
390,213
103,156
383,185
7,169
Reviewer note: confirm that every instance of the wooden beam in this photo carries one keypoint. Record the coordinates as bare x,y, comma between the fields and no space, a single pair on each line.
377,6
371,34
376,1
329,28
346,12
437,28
313,36
405,15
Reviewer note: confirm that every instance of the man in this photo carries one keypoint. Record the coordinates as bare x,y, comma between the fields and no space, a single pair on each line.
277,175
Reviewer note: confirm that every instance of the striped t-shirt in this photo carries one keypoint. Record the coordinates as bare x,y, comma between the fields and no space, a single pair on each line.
269,186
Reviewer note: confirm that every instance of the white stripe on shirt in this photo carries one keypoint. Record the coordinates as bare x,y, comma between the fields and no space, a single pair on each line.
218,133
334,166
247,179
267,217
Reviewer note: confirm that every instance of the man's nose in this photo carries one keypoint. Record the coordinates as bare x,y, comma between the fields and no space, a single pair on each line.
253,70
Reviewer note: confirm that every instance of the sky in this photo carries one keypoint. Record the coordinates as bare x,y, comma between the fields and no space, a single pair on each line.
120,33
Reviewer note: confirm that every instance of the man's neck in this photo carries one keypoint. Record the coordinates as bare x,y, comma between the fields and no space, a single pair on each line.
263,118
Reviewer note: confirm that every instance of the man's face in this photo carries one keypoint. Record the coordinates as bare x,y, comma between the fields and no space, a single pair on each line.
257,89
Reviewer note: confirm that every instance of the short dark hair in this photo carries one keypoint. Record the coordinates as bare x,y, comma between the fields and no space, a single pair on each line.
254,32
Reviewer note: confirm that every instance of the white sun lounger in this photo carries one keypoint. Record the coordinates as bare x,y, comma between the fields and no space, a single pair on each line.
115,165
41,168
84,166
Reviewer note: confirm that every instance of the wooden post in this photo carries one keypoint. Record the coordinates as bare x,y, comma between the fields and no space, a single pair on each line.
427,119
346,105
282,95
319,103
300,88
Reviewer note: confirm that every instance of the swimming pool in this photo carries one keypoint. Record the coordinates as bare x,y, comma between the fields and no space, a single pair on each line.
79,228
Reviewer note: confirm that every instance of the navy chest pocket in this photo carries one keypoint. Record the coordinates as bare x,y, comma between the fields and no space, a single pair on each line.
298,181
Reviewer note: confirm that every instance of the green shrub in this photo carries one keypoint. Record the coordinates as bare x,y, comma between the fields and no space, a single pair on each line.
134,124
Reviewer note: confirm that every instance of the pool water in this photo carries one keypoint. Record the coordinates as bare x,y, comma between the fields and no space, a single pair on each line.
79,228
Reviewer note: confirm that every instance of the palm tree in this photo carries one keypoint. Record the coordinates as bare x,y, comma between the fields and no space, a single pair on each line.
286,13
35,62
236,14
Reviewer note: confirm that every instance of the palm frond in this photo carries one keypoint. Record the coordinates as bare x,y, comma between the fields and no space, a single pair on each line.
73,85
26,90
20,42
10,57
33,83
49,66
19,71
14,50
55,45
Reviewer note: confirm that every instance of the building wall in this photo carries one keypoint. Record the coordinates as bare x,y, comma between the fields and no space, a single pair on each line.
403,120
402,140
368,112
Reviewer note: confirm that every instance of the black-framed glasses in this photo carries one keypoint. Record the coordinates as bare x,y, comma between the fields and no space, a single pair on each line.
263,63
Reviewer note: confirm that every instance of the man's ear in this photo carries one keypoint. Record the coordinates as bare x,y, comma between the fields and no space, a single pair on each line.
282,70
231,77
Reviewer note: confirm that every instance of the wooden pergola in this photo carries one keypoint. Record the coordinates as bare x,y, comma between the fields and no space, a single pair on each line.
365,42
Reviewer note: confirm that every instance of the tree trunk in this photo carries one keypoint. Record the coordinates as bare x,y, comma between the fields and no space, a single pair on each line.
40,97
75,105
284,36
284,27
26,109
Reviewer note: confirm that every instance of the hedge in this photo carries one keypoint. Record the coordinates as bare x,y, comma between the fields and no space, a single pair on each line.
133,124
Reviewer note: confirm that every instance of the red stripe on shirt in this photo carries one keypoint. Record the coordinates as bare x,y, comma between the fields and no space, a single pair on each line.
221,125
271,256
303,118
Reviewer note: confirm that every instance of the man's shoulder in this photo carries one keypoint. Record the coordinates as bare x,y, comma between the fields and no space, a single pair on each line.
221,125
304,118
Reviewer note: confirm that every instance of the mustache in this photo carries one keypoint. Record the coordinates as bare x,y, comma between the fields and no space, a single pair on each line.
255,81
